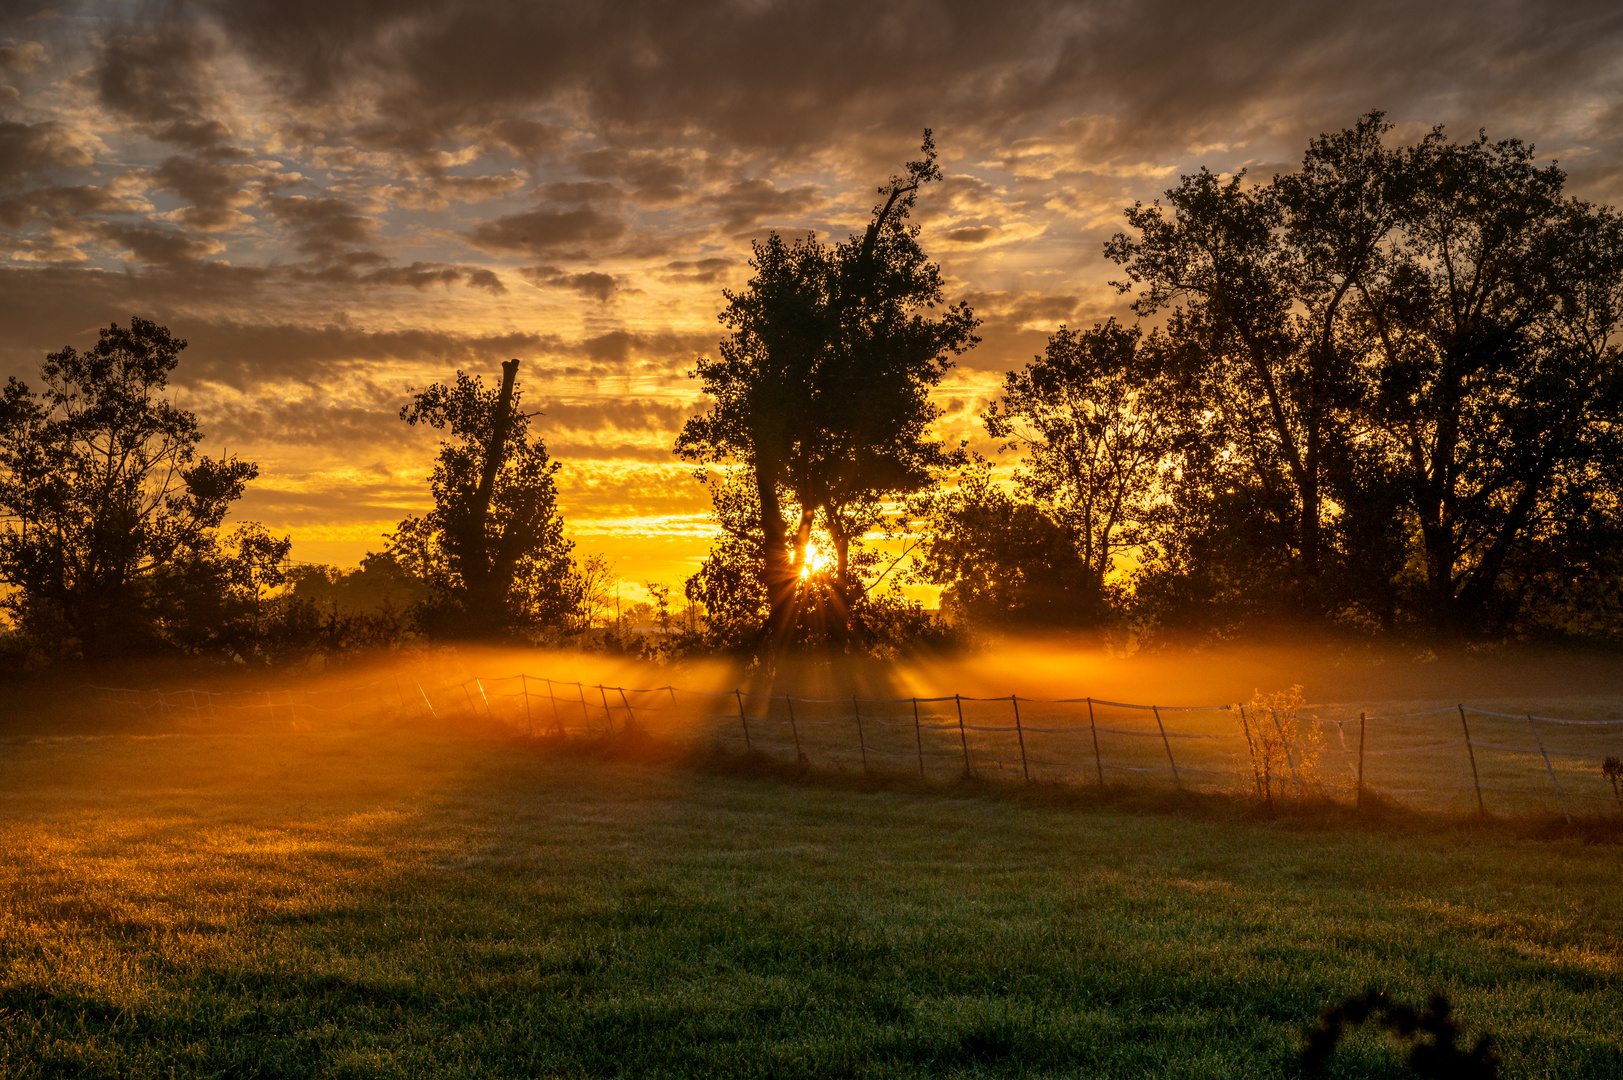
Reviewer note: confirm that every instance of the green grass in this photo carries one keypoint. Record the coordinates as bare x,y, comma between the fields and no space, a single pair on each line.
402,905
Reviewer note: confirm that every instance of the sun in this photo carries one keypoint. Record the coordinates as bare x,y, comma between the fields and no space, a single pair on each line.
815,561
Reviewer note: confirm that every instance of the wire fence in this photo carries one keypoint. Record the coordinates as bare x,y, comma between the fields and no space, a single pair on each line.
1459,757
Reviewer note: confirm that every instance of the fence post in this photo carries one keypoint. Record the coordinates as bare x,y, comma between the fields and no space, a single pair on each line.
427,702
742,719
1359,798
557,720
585,717
1559,794
1470,750
529,723
472,712
1098,762
399,693
1177,781
800,758
631,717
918,736
485,698
1251,748
608,717
861,741
963,738
1021,734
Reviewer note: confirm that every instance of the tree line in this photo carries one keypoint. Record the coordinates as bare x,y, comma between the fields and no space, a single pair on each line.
1376,395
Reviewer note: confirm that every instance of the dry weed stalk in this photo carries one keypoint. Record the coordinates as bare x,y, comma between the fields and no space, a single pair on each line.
1285,746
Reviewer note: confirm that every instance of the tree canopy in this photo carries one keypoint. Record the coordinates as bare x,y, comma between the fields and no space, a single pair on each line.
821,390
109,517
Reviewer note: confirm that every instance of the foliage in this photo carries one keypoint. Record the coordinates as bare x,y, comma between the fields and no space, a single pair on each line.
1093,422
1398,375
1004,561
109,537
821,391
1285,746
500,569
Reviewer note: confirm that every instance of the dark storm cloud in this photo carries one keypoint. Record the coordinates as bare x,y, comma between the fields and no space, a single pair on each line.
156,245
782,75
697,272
598,286
28,150
546,232
360,268
163,80
748,203
216,190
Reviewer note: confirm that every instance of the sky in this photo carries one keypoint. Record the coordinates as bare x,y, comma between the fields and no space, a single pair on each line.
335,202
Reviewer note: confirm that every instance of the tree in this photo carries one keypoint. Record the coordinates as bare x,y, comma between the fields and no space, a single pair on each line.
1393,356
492,550
107,506
1004,561
1493,334
1093,421
821,390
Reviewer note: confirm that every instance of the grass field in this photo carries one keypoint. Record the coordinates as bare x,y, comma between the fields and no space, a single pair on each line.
402,904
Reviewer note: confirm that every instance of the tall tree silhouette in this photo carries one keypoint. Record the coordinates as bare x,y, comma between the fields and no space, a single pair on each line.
821,389
105,500
492,549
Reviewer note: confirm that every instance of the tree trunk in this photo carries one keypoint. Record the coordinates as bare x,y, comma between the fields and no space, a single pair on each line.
486,592
779,571
839,617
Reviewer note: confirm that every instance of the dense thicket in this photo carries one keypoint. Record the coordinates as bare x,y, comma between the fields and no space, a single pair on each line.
1379,392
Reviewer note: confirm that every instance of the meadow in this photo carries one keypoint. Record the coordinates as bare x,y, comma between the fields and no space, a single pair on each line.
410,901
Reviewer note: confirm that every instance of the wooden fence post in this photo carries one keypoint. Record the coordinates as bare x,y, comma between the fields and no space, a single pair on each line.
427,702
918,736
1358,800
1476,781
861,741
472,712
631,717
529,722
962,737
1098,761
1559,794
1177,781
557,720
1251,748
742,719
585,717
608,717
1021,734
800,758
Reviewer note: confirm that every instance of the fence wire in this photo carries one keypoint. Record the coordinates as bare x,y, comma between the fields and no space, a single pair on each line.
1455,757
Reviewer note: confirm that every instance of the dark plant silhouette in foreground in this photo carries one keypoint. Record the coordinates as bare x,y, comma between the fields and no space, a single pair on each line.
1440,1059
1612,769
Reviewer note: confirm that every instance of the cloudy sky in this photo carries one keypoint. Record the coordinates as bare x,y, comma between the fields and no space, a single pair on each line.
337,200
